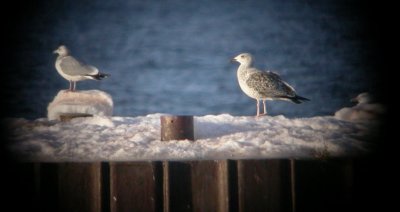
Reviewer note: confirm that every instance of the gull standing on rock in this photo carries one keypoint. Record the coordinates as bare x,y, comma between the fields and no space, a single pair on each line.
262,85
73,70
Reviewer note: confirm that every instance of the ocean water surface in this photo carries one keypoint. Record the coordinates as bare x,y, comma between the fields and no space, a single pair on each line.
174,56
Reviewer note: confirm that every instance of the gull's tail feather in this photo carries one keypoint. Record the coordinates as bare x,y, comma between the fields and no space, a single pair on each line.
99,76
298,99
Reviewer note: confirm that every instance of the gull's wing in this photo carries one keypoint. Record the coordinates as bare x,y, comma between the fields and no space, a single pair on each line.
70,66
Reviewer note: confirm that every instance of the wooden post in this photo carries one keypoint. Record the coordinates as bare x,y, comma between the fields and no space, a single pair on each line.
68,116
177,186
177,128
264,185
210,186
323,185
136,186
79,187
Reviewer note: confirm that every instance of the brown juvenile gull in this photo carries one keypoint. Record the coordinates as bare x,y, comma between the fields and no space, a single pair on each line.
263,85
73,70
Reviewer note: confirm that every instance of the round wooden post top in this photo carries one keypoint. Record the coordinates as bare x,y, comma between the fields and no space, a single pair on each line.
176,127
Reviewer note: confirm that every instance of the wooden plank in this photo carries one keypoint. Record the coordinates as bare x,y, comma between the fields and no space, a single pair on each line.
324,185
166,186
135,186
222,168
105,187
233,186
79,187
177,186
264,185
47,186
210,186
293,183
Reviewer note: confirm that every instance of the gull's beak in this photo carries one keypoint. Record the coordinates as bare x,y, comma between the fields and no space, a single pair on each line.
55,51
233,60
354,100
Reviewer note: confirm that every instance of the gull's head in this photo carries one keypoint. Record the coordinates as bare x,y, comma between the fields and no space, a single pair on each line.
243,59
61,50
363,98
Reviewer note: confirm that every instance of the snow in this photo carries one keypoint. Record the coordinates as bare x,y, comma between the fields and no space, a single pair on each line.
93,102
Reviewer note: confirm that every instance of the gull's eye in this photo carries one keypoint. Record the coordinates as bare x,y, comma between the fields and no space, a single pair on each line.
242,56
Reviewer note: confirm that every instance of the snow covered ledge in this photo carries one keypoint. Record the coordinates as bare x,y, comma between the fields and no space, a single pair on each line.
102,138
92,102
217,137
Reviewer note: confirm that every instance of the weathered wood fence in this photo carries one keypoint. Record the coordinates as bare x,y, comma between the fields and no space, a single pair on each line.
223,185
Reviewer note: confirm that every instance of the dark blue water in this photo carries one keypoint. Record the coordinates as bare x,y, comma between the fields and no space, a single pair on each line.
174,56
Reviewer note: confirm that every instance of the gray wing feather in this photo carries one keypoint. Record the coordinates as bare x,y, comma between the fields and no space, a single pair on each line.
270,84
73,67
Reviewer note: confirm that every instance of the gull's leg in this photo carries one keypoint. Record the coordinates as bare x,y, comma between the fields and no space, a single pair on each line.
258,108
70,86
74,86
265,107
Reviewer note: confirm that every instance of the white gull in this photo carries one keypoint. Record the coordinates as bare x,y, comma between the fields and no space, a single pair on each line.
73,70
367,109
